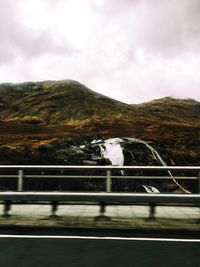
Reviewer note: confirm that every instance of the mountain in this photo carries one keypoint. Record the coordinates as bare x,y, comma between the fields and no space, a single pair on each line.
55,102
34,115
171,109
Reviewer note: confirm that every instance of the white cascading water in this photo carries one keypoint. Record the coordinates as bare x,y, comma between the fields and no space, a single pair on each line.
156,155
150,189
112,150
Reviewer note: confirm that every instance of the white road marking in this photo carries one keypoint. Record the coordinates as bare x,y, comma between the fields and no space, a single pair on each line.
102,238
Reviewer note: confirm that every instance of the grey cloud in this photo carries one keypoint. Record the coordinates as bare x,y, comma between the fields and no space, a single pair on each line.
43,43
115,8
163,27
17,40
169,27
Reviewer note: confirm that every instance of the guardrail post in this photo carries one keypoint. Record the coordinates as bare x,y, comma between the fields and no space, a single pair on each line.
54,208
7,207
108,181
199,182
20,181
152,211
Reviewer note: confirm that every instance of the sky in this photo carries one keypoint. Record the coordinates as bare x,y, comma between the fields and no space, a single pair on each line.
131,50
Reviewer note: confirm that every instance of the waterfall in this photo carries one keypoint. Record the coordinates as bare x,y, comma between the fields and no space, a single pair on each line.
150,189
157,156
112,150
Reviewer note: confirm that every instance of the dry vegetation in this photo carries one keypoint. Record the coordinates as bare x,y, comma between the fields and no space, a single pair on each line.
34,114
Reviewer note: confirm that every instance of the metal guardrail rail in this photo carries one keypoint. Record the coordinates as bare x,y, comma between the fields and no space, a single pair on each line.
84,167
26,172
9,198
23,172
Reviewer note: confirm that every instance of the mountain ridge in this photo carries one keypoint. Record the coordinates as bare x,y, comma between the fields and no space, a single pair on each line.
58,102
54,101
35,114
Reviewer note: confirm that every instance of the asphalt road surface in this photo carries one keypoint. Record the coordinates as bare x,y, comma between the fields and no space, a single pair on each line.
58,251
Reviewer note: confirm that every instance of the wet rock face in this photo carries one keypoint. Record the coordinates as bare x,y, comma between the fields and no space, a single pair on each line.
87,150
115,151
94,150
138,154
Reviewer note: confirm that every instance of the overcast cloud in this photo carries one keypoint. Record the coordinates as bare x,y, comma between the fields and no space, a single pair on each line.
131,50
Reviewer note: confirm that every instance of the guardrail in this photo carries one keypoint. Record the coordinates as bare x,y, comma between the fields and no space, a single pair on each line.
103,199
25,172
22,173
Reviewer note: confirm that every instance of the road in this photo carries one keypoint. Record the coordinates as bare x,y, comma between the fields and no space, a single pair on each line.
80,251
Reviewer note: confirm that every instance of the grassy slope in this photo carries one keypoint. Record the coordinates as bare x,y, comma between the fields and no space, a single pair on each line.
36,113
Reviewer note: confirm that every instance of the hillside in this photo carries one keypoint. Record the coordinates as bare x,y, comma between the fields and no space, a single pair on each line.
171,109
53,102
36,114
